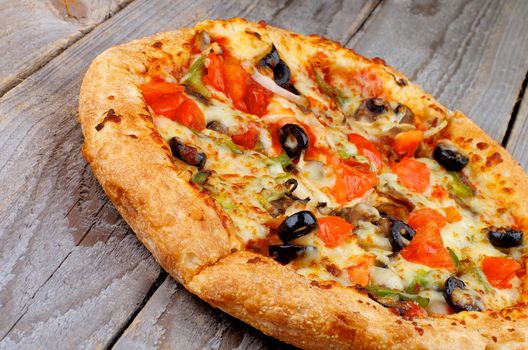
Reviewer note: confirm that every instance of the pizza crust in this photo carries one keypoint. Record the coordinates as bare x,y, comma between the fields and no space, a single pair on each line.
190,239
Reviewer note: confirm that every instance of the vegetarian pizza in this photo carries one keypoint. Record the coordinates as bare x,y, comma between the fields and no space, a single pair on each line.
315,194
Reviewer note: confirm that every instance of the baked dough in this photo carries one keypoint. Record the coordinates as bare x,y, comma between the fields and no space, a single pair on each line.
194,242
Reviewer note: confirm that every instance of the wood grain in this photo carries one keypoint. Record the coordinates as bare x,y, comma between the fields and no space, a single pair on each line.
471,55
67,258
33,32
176,319
517,144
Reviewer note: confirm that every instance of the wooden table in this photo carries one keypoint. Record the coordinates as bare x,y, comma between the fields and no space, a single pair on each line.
72,273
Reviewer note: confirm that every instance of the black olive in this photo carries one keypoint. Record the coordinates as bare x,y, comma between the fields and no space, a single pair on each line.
281,71
398,231
458,298
376,105
449,157
293,140
284,253
504,237
188,154
271,59
297,225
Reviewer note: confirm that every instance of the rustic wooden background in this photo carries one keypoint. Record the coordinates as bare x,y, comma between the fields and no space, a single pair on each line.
72,273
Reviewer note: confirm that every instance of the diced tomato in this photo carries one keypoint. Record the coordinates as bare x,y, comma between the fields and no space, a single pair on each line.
427,247
367,81
406,143
248,139
235,82
420,218
412,309
167,105
367,149
257,99
352,183
452,215
438,192
153,90
190,115
333,230
412,174
499,271
359,271
214,72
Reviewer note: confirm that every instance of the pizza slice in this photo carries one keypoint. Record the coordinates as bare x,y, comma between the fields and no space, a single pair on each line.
315,194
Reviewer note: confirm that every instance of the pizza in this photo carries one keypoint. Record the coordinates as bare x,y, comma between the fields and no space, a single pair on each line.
313,193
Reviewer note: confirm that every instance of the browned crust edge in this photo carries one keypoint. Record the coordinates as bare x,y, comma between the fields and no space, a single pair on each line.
134,166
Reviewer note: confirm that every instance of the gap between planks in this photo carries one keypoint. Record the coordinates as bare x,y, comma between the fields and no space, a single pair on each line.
515,112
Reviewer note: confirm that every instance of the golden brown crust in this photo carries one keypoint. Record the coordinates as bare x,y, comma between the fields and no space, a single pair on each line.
185,233
134,165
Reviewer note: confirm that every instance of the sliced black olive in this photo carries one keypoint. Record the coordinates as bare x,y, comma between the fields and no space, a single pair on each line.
398,231
504,237
284,253
188,154
293,140
450,157
297,225
458,297
271,59
217,126
281,71
370,109
376,105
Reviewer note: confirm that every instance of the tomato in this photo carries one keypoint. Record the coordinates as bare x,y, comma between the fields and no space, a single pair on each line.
438,192
420,218
257,99
153,90
352,183
235,82
248,139
333,230
412,309
167,104
214,72
427,247
452,214
190,115
359,271
367,149
412,174
367,81
406,143
499,271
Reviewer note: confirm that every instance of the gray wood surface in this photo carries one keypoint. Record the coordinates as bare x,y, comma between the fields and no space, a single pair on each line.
471,55
73,274
33,32
517,143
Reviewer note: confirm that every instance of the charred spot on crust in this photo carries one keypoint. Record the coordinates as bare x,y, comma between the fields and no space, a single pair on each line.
157,45
111,116
254,260
255,34
493,159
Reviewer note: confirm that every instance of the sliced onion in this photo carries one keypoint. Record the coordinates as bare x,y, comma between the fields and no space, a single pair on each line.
436,129
269,84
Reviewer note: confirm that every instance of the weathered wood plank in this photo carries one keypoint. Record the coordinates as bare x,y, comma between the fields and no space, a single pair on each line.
67,258
517,143
176,319
471,55
35,31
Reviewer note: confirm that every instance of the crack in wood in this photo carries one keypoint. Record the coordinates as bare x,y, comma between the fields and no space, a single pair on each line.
371,10
157,283
515,112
